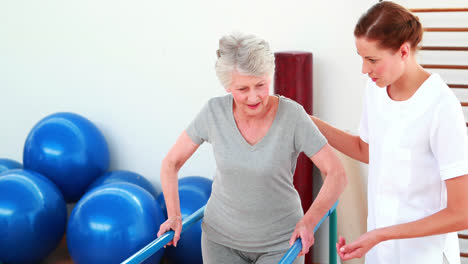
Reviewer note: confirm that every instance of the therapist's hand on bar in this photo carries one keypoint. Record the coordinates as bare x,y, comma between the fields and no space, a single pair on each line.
172,223
304,231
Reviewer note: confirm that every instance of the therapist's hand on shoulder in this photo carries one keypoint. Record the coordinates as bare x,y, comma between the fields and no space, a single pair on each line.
358,248
172,223
305,232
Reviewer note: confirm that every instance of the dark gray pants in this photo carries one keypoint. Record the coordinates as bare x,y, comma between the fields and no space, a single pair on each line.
214,253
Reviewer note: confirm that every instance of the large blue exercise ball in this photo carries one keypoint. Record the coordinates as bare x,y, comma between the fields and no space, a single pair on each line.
68,149
33,216
197,184
125,176
9,164
188,248
162,203
111,223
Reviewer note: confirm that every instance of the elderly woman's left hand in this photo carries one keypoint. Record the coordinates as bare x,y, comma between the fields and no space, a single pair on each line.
305,233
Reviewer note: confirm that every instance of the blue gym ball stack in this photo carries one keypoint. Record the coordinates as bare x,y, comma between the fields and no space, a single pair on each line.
66,160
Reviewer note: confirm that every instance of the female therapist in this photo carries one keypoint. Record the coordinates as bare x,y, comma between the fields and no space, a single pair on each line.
414,138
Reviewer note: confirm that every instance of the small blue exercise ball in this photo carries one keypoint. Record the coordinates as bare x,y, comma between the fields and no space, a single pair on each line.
197,184
162,203
188,248
125,176
111,223
8,164
33,216
68,149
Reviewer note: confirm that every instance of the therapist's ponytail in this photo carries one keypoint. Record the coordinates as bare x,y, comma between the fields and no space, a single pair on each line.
391,25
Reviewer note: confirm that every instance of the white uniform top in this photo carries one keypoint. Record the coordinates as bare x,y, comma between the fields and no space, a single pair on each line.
414,145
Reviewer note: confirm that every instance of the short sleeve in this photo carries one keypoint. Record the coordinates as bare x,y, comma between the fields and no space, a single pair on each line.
364,124
198,129
307,137
449,140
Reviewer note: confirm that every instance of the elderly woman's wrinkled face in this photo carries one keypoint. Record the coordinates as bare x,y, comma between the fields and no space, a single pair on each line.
250,93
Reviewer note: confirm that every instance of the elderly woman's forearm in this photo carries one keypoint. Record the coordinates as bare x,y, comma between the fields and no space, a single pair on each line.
169,186
333,185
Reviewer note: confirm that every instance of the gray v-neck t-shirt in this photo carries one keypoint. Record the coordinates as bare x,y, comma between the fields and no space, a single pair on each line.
253,205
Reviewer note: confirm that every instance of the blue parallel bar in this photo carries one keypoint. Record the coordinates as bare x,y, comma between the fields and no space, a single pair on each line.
332,238
294,250
161,241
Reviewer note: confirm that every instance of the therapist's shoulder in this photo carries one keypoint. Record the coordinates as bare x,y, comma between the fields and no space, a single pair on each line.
442,92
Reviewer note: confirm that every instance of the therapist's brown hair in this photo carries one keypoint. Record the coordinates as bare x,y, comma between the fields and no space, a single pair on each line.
391,25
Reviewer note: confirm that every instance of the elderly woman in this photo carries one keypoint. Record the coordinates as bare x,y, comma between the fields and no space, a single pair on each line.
254,213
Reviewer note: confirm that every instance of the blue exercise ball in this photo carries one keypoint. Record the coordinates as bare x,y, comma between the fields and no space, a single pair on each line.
8,164
188,248
125,176
111,223
33,216
68,149
162,203
197,184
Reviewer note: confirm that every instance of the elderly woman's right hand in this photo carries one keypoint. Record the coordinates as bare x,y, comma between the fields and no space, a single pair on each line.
172,223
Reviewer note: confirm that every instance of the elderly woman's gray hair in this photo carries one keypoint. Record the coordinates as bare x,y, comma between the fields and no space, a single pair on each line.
246,54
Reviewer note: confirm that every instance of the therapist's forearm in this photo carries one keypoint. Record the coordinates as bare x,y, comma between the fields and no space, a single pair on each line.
344,142
453,218
444,221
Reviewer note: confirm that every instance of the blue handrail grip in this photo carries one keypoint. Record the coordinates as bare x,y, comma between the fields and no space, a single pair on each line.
294,250
161,241
292,253
193,218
